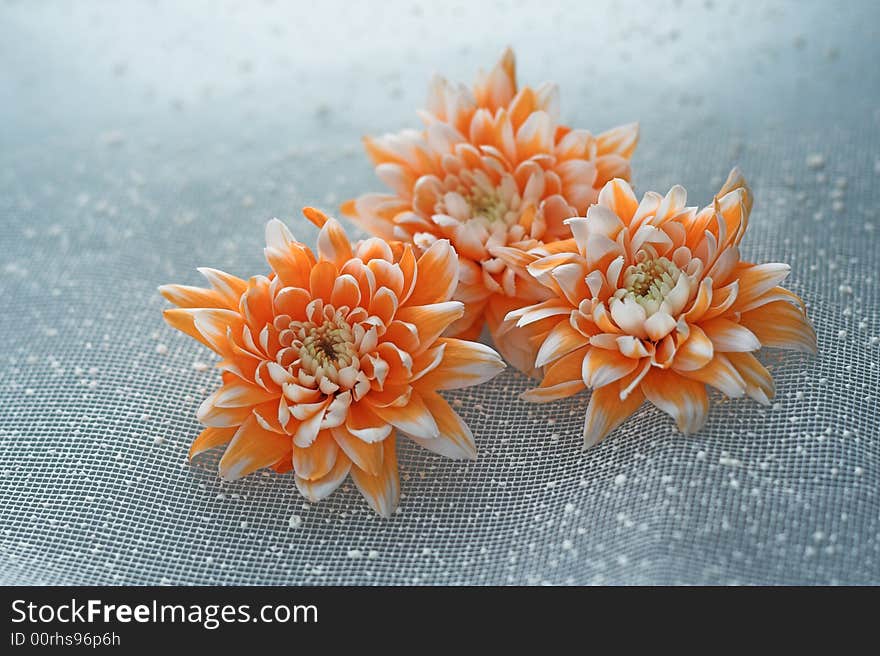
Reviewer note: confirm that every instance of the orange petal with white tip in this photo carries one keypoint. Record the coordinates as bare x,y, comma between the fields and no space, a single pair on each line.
618,196
317,459
758,279
604,366
310,422
216,416
185,296
346,292
207,325
463,364
500,84
252,448
275,416
561,340
701,303
606,411
238,393
535,135
290,260
782,325
333,244
621,140
382,491
437,275
561,379
209,438
721,375
365,455
365,424
682,399
321,488
539,311
759,382
384,305
470,324
430,320
695,353
414,418
727,335
228,287
455,440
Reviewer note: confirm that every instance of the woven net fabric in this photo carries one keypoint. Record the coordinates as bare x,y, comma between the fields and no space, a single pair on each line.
140,141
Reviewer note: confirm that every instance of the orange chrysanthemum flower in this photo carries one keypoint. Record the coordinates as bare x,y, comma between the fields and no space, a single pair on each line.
492,170
650,300
326,355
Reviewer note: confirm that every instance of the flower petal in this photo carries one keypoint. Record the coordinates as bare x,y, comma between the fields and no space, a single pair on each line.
186,296
436,275
539,311
209,438
365,455
455,439
721,375
317,459
229,287
757,279
322,487
701,303
604,366
414,418
252,448
727,335
430,320
562,378
333,244
535,136
288,258
211,414
322,279
346,292
365,424
310,423
617,195
659,325
682,399
463,364
632,347
293,301
382,491
561,340
780,324
237,393
621,140
383,305
207,325
695,353
606,411
629,316
759,382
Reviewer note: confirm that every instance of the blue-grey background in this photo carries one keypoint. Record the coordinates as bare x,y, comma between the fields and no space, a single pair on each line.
141,140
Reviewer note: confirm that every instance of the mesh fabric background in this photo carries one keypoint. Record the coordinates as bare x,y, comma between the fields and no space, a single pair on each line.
140,141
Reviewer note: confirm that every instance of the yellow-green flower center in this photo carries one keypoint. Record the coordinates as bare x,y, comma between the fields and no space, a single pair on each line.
329,346
649,282
488,204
